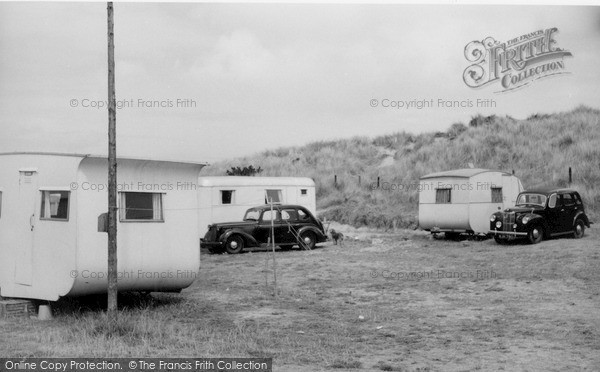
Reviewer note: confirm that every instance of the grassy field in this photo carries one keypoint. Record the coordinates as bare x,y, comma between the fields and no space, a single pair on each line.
426,305
540,149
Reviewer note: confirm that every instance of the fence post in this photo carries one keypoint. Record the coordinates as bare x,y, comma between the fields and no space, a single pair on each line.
570,176
377,181
335,180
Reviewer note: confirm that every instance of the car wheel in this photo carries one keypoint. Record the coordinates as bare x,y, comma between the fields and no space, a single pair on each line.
308,240
500,240
579,229
535,234
234,244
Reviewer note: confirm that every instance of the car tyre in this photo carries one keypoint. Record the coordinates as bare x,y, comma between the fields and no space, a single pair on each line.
500,240
579,229
308,240
234,244
535,234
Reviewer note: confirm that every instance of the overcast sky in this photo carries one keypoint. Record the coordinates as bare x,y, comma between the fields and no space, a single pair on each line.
262,76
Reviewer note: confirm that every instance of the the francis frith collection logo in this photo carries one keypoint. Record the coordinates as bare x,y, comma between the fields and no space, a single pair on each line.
515,63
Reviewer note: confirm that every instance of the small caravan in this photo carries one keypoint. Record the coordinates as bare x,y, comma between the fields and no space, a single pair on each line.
462,200
52,213
226,198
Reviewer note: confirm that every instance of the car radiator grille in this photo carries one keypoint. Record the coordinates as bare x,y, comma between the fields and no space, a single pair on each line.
507,221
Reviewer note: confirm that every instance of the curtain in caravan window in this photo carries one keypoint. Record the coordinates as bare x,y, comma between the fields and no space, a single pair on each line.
46,209
274,196
141,206
442,196
227,196
54,202
157,207
497,195
122,207
55,205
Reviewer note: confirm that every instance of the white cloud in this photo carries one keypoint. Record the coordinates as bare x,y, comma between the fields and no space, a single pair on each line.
268,73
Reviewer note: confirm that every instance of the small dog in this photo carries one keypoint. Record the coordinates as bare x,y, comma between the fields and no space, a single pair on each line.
337,236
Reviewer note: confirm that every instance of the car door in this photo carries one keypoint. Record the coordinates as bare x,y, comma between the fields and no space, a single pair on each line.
263,229
578,203
567,212
289,230
553,213
280,228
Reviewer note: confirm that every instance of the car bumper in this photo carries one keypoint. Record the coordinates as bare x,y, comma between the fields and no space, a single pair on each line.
211,245
507,233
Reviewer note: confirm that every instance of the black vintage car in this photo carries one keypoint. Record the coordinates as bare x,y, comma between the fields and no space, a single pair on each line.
292,225
540,214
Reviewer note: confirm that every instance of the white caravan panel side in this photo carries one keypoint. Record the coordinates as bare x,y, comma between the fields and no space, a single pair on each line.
248,192
450,216
152,256
37,255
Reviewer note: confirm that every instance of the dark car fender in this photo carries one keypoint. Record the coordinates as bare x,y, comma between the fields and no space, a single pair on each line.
249,240
535,219
581,215
319,233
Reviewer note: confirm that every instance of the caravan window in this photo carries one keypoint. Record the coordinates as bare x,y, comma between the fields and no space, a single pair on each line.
303,192
442,196
273,195
497,195
141,206
227,196
55,205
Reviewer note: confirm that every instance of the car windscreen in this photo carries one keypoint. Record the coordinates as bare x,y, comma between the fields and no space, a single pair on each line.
531,199
252,215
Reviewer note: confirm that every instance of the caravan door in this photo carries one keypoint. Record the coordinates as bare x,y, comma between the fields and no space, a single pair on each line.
28,184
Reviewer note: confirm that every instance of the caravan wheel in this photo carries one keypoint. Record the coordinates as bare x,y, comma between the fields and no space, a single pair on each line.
452,235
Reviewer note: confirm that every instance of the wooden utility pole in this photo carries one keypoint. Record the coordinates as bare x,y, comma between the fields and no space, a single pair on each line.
112,175
273,249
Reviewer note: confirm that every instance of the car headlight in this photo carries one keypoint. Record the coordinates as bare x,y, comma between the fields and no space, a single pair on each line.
525,219
498,224
492,218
